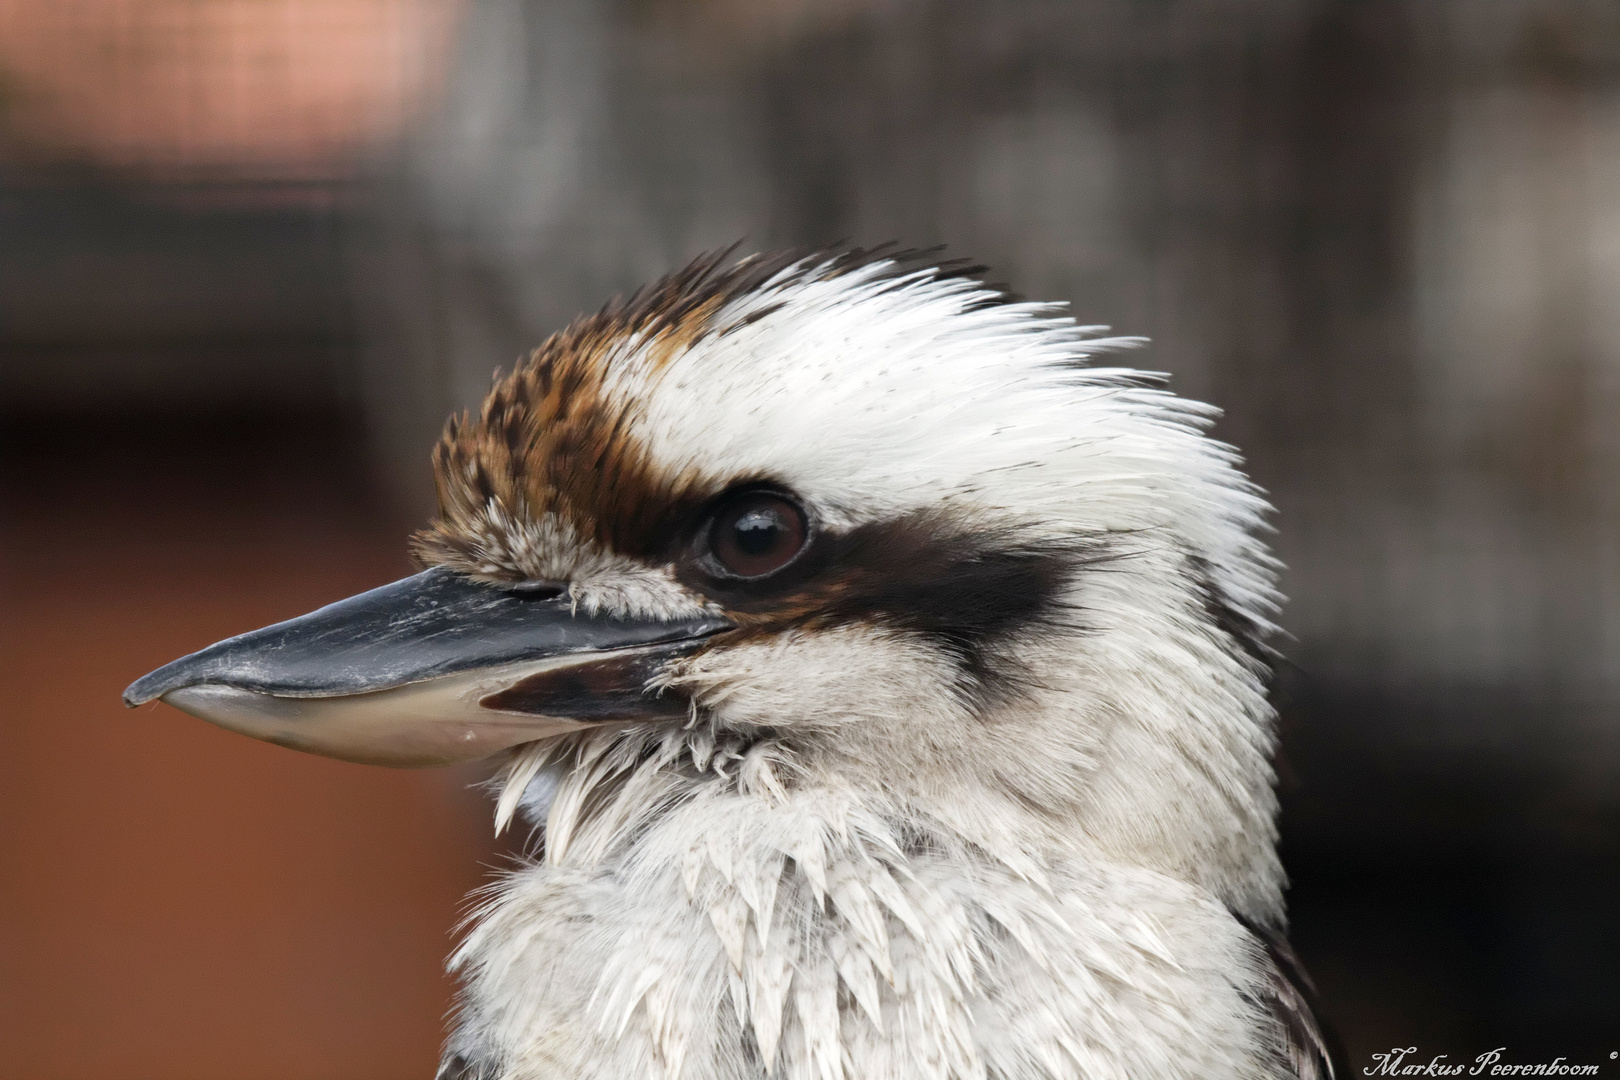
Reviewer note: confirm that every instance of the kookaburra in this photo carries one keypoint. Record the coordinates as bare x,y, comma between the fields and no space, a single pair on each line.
888,681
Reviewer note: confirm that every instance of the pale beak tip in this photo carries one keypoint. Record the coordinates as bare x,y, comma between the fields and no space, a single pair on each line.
152,686
136,695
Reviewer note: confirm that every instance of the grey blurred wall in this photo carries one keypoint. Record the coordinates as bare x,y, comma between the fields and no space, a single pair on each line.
1384,236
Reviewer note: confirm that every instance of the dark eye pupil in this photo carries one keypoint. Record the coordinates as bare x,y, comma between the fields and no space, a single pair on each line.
759,531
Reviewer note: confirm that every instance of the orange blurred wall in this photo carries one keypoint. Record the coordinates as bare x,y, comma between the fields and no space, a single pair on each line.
261,89
176,902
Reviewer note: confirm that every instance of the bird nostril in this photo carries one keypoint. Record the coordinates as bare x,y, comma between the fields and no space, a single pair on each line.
537,590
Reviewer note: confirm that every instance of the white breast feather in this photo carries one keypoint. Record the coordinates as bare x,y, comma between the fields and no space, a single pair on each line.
799,925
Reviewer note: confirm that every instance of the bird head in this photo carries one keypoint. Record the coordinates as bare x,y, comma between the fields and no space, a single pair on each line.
863,510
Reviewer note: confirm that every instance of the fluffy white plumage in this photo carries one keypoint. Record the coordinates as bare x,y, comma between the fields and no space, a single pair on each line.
842,867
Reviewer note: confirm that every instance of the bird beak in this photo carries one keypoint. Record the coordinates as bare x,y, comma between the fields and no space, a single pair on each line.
430,670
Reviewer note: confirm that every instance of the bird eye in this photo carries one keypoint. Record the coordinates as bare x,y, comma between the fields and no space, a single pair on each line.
757,533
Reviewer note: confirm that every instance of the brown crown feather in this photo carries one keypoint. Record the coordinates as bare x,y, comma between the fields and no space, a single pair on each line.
549,440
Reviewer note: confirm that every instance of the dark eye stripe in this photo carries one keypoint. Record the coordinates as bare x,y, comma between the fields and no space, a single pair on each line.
970,589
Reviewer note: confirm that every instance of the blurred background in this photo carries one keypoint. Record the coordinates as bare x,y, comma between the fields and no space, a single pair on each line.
252,252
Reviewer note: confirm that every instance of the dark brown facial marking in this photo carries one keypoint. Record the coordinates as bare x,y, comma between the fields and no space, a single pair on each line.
971,590
1241,631
613,688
